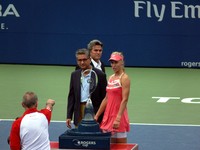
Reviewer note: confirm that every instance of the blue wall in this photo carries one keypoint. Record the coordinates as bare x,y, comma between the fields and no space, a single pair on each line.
150,33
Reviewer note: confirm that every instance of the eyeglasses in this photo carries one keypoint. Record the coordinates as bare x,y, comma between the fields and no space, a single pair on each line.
84,60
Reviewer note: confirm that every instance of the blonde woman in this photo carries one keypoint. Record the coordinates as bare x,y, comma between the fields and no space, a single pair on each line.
114,104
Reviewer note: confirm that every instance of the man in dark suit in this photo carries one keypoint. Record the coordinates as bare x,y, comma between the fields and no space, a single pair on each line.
95,48
79,89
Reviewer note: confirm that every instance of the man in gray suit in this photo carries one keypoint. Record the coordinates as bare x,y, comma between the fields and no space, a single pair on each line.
79,90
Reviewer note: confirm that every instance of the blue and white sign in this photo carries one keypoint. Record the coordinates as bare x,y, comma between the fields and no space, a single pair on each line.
150,33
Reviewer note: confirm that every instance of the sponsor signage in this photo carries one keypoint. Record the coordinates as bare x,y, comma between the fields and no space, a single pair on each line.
150,33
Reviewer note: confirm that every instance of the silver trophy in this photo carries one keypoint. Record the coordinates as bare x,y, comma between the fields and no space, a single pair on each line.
92,80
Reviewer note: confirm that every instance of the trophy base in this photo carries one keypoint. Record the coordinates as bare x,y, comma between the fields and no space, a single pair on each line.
73,139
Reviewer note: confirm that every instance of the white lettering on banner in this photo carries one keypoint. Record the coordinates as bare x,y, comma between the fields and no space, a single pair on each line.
176,6
184,100
9,11
149,6
192,9
178,10
2,26
190,64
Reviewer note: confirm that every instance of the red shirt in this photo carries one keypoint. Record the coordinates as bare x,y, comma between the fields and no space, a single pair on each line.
31,130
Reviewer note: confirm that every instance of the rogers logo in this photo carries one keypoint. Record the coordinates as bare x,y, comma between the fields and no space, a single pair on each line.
77,142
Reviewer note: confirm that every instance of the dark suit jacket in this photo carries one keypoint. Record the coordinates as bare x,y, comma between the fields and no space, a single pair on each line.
74,96
102,67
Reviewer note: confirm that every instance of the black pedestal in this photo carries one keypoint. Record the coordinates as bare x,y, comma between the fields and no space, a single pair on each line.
84,140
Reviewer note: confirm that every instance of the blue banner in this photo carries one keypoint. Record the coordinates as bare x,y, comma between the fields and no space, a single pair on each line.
150,33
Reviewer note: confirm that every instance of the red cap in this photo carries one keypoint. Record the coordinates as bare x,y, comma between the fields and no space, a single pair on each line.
116,57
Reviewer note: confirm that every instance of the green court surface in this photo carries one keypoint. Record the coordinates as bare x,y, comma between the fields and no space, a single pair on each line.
181,85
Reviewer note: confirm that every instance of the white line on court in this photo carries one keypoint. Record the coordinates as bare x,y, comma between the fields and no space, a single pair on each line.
152,124
145,124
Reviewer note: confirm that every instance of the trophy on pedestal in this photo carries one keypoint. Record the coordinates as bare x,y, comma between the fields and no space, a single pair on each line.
88,135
